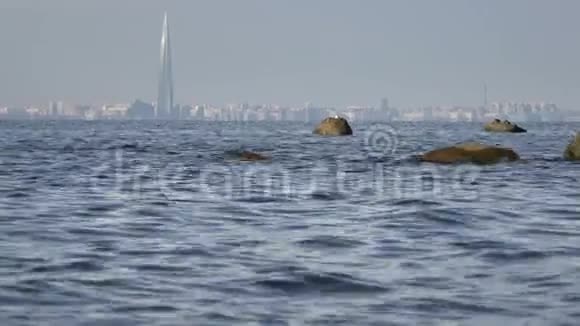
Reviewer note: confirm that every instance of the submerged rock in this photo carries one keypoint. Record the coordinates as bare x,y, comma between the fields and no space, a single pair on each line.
251,156
573,150
333,126
503,126
470,153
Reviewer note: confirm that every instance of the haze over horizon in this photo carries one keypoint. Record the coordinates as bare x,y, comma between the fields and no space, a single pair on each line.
327,52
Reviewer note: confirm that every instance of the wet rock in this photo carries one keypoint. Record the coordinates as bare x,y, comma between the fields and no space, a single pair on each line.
251,156
470,153
503,126
333,126
573,149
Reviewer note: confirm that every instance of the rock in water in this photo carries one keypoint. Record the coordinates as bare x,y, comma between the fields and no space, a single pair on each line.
333,126
470,153
251,156
503,126
573,150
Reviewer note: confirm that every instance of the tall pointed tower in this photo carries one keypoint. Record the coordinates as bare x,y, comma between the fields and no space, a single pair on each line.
165,93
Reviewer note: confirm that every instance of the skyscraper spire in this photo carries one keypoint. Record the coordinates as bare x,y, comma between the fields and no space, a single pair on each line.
165,93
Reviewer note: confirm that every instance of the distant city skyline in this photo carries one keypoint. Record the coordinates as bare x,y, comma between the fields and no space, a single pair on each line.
140,110
329,52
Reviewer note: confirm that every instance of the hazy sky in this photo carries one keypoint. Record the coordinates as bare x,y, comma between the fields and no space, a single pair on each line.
328,52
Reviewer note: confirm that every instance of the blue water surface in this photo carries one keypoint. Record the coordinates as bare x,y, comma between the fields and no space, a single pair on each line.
158,223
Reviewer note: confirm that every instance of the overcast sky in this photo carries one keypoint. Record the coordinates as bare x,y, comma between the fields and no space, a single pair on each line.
328,52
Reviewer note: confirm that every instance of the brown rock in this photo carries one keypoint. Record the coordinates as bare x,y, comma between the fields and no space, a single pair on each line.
573,150
503,126
470,153
333,126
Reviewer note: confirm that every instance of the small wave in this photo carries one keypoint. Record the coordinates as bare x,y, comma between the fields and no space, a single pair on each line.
145,308
445,216
571,298
504,256
17,194
229,319
76,266
94,231
326,282
318,195
329,242
103,208
477,276
433,305
281,268
416,202
262,199
438,283
108,282
160,268
570,212
149,212
133,147
480,244
547,231
176,251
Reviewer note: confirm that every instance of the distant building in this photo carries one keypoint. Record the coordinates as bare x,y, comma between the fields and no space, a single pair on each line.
115,111
165,107
34,112
141,110
56,109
